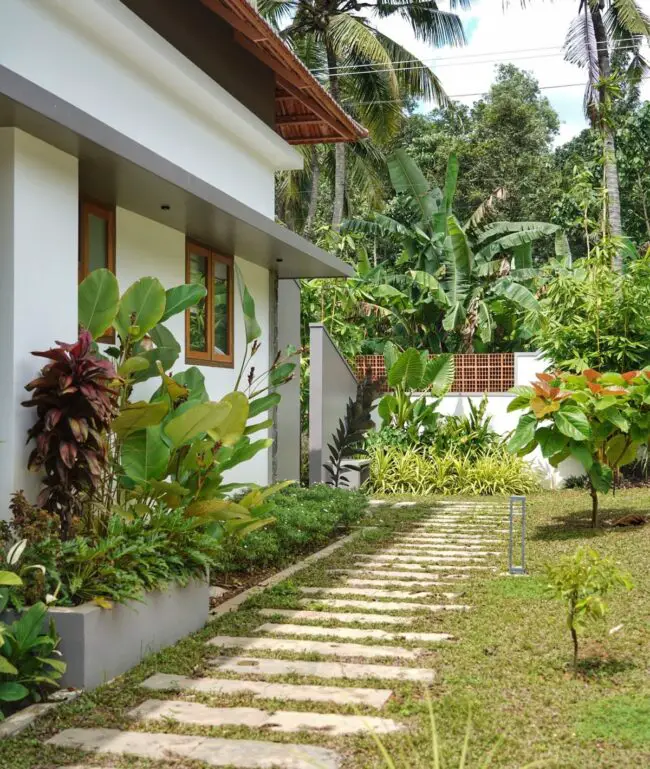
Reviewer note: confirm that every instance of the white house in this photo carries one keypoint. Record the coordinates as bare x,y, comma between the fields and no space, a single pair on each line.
143,136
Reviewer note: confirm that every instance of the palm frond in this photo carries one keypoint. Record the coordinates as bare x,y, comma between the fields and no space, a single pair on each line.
429,24
415,78
628,16
581,49
277,12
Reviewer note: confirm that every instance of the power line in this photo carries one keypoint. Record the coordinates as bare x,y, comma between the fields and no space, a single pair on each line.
468,95
453,60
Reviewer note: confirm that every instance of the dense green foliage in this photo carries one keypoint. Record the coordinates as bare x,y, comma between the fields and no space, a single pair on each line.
424,470
304,520
600,420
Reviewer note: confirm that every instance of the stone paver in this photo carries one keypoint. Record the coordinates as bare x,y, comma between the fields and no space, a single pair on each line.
442,550
375,698
383,572
351,603
449,539
278,721
247,754
421,559
326,648
405,504
407,564
369,592
344,670
349,617
379,583
448,547
351,633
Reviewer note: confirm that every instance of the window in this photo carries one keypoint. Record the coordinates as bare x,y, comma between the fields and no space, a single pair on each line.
209,324
97,244
96,238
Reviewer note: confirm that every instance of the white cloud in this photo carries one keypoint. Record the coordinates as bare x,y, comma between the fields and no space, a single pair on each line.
515,35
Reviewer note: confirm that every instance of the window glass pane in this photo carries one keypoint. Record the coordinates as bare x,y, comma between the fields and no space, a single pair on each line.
97,242
220,286
198,313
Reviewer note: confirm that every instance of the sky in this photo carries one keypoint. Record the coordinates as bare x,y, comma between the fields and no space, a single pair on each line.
530,38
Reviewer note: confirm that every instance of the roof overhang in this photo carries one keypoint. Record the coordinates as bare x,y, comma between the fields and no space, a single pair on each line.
115,168
305,111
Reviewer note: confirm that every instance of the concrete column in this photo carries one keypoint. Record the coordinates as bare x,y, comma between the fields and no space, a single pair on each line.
39,224
288,410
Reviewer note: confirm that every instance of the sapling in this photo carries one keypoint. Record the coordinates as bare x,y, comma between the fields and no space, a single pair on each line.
583,580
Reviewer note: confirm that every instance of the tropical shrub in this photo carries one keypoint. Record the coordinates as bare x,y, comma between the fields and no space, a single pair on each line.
582,580
417,384
132,556
348,439
305,519
75,397
599,419
423,471
29,663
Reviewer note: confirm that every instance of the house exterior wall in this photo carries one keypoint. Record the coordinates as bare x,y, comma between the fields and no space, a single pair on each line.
144,247
39,221
102,58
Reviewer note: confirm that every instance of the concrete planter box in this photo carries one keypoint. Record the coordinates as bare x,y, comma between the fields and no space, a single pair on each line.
99,644
357,472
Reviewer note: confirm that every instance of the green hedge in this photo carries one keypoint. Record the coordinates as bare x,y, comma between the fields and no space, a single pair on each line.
306,519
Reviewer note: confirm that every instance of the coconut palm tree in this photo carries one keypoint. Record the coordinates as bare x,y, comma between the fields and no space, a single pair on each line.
603,30
365,69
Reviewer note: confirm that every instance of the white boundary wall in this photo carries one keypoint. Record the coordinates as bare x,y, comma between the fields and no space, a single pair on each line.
527,364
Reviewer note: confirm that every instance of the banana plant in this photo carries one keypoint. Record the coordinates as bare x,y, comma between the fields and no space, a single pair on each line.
468,272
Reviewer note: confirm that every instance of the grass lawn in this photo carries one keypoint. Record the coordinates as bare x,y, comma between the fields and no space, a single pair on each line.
510,667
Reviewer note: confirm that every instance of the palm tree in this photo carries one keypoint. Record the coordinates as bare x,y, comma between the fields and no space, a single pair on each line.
602,30
364,69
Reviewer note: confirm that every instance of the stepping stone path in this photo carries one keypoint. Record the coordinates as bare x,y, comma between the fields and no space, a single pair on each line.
337,635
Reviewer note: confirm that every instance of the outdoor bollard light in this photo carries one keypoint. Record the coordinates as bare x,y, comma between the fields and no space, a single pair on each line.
517,507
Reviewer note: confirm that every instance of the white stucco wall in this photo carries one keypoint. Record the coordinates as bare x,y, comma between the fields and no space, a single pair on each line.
145,247
39,217
100,57
527,365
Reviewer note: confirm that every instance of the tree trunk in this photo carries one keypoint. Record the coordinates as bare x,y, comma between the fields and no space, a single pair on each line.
313,193
594,507
339,149
610,167
574,638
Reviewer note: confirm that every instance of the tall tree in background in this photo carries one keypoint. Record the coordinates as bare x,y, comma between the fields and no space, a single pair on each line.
364,69
601,30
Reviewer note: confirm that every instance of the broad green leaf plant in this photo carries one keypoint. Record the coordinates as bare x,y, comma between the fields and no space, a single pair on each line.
467,273
601,420
417,383
583,580
174,449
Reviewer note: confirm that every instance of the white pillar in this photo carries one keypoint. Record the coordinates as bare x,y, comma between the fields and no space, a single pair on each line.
39,224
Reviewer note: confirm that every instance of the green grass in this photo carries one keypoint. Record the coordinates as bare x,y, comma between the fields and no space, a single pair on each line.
510,668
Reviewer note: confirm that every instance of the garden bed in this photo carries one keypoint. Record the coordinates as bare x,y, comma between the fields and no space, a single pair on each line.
99,644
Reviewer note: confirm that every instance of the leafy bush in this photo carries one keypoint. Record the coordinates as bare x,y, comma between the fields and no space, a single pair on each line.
601,420
423,471
582,580
304,519
145,553
29,666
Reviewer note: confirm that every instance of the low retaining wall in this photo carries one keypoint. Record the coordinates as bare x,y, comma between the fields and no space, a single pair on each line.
100,644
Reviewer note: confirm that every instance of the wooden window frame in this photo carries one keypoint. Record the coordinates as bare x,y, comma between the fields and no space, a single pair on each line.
102,212
209,357
107,213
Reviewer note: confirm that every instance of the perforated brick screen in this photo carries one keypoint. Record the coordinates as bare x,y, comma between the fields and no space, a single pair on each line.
474,373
